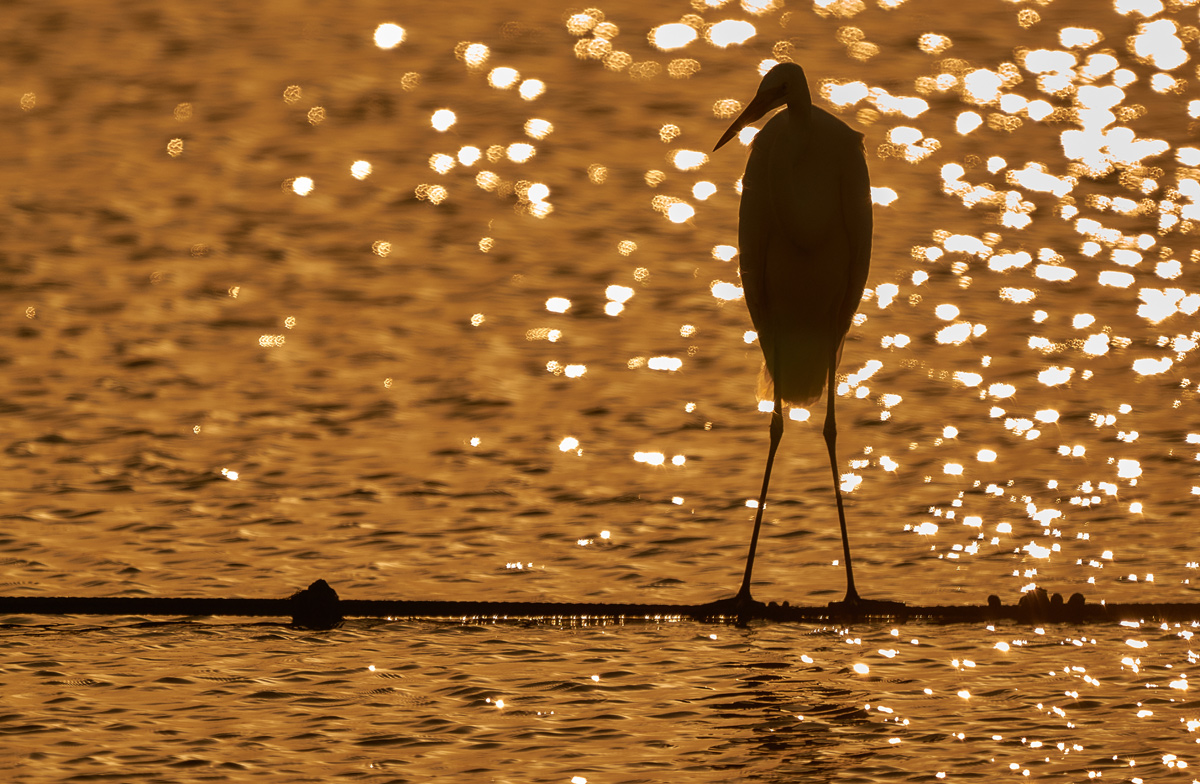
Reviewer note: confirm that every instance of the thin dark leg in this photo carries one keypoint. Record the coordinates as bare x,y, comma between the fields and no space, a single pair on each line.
831,442
743,596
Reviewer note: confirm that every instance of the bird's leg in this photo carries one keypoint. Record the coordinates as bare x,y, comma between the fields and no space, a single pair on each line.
743,597
830,433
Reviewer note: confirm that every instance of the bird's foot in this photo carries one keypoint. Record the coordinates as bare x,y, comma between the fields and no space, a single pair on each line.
742,607
855,606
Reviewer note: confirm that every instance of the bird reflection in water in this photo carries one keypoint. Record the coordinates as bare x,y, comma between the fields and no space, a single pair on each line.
804,229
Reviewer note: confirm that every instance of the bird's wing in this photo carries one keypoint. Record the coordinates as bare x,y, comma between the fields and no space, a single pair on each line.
858,225
757,221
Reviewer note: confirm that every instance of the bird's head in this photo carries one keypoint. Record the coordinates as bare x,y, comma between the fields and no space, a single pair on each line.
785,83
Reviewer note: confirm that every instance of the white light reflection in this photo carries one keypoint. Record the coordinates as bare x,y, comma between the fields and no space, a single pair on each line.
672,36
729,32
389,36
503,78
531,89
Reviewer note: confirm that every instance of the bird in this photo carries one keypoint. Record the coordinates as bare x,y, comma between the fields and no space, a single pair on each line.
804,237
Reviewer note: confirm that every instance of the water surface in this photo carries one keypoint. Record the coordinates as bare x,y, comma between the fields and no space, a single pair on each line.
217,386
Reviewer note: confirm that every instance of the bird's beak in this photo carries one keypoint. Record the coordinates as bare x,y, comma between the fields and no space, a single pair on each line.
764,101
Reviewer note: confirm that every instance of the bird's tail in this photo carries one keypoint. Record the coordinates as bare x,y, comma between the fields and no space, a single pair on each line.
804,377
794,398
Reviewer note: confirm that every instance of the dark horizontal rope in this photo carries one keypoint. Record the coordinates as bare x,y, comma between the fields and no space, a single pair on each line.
720,611
319,606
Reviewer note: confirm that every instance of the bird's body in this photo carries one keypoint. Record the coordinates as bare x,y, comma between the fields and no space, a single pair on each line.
804,235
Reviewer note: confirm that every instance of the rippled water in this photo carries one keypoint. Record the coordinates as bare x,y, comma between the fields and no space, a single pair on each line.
414,702
216,386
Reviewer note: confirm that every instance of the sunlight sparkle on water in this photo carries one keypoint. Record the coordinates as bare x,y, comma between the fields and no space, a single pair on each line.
473,54
503,78
538,129
664,363
1054,376
672,36
520,152
967,122
724,252
531,89
729,32
1149,366
442,119
954,334
617,293
435,194
686,160
680,212
883,196
946,312
1116,279
726,291
885,293
389,36
846,94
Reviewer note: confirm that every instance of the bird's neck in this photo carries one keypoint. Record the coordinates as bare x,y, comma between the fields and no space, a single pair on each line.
799,104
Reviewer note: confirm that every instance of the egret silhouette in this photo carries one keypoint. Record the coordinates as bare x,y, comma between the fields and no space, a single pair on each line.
804,235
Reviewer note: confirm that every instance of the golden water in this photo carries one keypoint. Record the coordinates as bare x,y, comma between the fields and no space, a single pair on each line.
461,319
